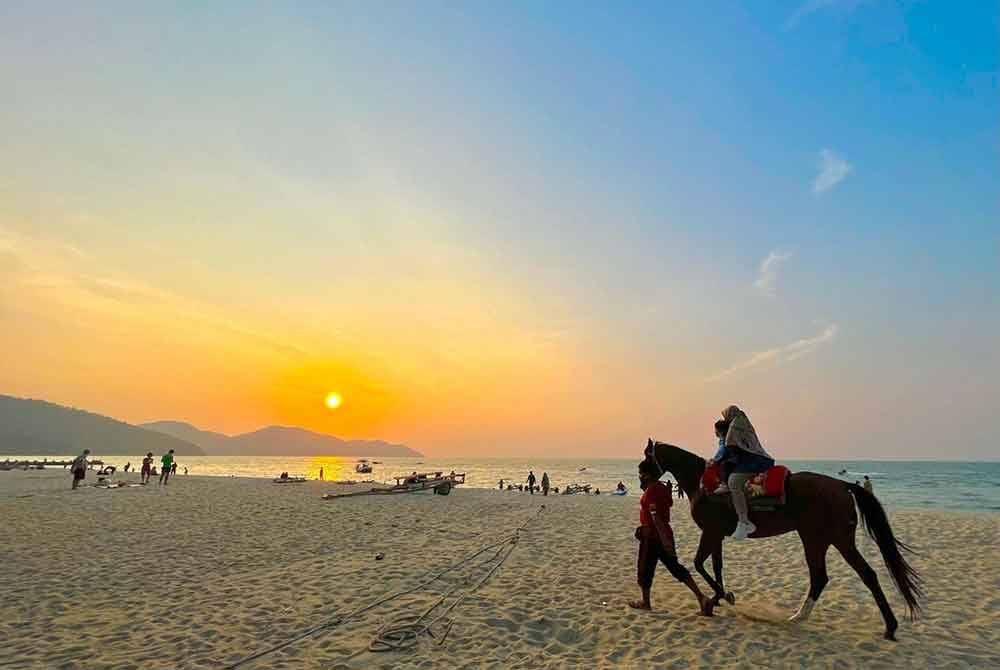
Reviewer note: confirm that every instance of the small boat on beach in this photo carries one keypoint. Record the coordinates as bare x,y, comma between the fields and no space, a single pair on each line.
438,482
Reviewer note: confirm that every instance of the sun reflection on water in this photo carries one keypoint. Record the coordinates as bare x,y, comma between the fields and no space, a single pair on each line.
335,468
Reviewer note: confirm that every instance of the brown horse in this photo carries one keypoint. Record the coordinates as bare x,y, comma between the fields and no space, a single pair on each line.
820,508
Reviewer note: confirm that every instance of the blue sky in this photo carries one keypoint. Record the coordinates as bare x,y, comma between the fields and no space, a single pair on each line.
601,186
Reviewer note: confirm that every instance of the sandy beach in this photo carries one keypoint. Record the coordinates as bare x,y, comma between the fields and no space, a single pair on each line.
207,571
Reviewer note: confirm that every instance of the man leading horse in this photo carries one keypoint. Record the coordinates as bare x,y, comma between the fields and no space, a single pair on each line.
820,508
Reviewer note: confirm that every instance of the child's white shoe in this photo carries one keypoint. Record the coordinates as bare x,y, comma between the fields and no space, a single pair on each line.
723,488
743,530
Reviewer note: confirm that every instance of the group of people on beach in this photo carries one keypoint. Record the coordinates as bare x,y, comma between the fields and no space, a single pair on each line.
531,484
168,467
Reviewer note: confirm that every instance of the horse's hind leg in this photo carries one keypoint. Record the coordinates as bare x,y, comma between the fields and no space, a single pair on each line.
707,545
850,552
816,560
717,569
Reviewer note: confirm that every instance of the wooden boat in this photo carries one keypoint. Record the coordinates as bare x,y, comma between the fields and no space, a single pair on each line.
438,482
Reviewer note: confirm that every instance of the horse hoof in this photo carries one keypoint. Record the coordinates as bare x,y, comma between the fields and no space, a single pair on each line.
890,635
730,598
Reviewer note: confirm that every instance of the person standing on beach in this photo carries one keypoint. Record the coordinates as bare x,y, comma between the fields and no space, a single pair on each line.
531,482
868,485
147,466
656,539
321,474
166,463
545,483
79,468
173,468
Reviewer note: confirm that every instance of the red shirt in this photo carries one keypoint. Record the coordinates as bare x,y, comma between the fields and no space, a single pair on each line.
659,496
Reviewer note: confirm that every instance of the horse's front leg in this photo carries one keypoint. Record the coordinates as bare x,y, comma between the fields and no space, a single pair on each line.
717,568
707,546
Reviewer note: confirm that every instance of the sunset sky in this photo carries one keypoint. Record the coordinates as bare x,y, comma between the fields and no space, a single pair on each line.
510,228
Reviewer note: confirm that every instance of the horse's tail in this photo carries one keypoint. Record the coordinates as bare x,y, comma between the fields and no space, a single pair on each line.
877,526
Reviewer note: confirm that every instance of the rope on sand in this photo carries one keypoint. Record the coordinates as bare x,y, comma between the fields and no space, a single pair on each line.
401,636
405,632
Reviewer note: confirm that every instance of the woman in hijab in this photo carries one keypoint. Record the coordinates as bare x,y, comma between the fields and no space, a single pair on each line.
750,458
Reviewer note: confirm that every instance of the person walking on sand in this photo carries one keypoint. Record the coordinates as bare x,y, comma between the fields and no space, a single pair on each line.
868,485
173,468
166,463
545,483
531,482
147,468
321,474
79,468
656,540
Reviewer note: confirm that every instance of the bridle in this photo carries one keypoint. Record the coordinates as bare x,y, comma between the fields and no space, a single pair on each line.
652,452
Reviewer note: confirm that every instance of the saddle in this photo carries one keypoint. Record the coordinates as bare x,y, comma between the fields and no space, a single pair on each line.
765,491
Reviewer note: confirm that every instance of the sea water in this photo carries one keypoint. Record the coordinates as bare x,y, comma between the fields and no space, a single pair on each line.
964,486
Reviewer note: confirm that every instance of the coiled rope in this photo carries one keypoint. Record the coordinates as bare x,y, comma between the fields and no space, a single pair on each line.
404,633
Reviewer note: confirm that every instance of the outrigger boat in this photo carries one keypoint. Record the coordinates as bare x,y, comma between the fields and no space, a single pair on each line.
438,482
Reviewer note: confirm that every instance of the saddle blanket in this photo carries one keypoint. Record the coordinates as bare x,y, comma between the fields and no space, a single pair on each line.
768,484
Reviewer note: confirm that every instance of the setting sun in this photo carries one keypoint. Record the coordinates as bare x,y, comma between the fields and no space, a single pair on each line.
333,400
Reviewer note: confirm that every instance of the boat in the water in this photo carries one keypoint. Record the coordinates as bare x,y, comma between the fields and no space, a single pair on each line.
363,466
576,488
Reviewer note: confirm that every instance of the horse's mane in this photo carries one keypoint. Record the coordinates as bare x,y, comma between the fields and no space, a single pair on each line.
683,457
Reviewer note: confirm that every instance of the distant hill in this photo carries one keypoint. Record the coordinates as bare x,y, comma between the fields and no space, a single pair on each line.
209,442
29,427
278,441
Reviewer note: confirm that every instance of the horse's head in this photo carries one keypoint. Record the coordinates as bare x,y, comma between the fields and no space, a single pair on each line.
650,455
683,465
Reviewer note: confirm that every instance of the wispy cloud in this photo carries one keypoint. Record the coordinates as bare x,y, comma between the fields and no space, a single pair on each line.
768,275
833,169
813,6
788,352
64,273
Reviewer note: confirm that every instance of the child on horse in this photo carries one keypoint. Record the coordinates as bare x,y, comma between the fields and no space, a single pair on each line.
742,457
656,539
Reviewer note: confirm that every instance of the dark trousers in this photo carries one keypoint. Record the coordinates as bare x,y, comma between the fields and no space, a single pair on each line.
651,552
